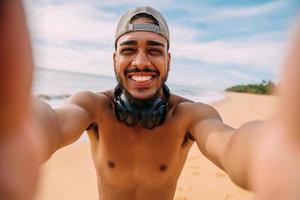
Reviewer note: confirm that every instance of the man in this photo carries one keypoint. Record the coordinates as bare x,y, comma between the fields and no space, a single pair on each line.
140,134
275,159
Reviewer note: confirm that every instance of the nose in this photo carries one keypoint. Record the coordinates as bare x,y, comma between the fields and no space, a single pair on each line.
141,60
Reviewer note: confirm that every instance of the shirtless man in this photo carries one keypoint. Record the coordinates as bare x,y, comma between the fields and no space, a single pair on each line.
138,152
275,158
137,156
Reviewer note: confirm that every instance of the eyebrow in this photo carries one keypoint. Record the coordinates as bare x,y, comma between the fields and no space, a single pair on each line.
129,42
149,42
155,43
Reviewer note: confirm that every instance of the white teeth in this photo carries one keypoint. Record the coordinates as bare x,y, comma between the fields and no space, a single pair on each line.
141,78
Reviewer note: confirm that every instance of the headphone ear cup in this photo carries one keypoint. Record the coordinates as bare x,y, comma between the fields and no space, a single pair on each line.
159,112
123,110
135,117
132,114
154,114
120,110
146,119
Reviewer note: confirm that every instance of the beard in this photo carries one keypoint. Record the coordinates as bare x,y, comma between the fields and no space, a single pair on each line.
127,93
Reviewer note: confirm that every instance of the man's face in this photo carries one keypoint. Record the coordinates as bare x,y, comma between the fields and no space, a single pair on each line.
141,63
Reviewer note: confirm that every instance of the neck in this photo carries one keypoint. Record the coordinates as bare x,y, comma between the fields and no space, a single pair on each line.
142,102
163,93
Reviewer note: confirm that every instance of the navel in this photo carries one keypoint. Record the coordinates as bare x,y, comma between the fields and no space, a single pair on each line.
111,164
163,167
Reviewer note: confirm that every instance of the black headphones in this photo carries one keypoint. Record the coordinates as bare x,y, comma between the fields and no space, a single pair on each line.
149,113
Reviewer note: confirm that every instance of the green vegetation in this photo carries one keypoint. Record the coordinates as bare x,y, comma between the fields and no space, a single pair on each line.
265,87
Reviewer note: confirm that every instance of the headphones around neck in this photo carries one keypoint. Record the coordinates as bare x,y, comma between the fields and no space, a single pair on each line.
150,113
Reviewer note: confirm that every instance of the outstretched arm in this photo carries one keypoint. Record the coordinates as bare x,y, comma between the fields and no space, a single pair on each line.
264,157
229,148
64,125
276,172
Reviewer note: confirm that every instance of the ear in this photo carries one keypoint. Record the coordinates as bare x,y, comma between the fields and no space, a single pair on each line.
114,60
169,61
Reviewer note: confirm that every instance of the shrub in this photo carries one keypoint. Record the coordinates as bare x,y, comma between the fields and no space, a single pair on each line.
265,87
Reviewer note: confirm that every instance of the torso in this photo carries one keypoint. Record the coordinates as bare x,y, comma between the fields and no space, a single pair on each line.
137,163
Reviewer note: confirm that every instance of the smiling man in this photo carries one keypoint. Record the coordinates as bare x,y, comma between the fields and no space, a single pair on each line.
140,133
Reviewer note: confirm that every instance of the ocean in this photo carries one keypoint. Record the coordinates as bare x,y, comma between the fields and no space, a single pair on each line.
55,86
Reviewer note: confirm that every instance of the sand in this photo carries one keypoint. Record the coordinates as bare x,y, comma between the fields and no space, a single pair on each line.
70,174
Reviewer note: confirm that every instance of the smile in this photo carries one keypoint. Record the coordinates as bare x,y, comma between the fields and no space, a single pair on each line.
138,78
142,76
142,79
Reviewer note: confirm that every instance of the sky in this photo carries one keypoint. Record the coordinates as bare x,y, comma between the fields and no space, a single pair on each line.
214,44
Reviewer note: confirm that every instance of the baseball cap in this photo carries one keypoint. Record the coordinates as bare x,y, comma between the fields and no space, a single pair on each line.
125,25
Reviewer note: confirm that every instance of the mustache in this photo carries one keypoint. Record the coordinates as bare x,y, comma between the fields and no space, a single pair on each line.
146,70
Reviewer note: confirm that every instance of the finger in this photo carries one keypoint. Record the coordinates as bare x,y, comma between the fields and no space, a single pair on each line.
15,66
290,89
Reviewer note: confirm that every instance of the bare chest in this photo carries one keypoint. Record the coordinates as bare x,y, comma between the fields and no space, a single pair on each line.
133,156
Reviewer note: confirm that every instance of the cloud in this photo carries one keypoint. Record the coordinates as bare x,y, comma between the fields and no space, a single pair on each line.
183,33
255,53
249,11
218,13
154,3
197,77
72,22
74,59
240,75
72,36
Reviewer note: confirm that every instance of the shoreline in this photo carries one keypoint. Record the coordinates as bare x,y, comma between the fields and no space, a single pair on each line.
239,108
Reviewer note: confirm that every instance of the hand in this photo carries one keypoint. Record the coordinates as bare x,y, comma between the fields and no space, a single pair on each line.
276,166
276,162
20,147
20,155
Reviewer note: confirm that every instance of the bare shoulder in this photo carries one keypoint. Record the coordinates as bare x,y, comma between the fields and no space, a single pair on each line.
85,98
194,110
88,101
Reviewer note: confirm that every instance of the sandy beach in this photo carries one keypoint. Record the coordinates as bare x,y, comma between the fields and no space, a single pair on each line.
70,174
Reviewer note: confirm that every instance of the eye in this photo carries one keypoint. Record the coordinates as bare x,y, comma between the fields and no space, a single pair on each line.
155,52
127,51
